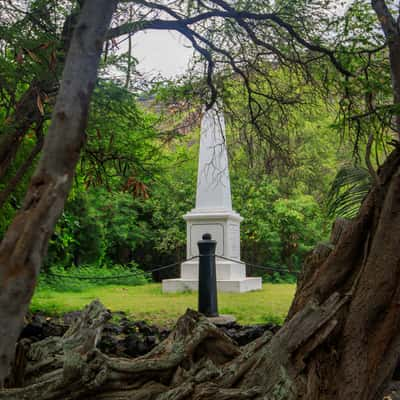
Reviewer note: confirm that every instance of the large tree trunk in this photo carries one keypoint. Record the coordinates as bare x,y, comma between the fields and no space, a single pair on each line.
25,242
361,354
341,340
390,28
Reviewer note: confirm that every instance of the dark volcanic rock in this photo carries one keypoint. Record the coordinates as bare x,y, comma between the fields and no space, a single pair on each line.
124,337
243,335
130,338
39,326
392,391
69,317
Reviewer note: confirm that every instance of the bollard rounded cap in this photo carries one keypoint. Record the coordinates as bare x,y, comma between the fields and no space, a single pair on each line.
207,236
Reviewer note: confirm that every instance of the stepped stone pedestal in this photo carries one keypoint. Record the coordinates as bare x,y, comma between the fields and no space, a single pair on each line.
213,214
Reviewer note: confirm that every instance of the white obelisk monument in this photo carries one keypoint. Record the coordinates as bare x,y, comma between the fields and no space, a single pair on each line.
214,214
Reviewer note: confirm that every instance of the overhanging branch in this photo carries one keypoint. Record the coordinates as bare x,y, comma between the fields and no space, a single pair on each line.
180,23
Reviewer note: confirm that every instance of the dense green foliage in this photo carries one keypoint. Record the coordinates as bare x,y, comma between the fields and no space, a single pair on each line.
284,211
138,169
78,279
133,186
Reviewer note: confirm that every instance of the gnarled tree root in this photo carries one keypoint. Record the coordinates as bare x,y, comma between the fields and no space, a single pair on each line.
196,361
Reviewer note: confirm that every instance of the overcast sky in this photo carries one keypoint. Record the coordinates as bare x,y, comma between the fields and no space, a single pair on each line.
162,52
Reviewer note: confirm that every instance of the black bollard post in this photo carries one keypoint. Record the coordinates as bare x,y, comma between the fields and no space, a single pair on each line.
208,304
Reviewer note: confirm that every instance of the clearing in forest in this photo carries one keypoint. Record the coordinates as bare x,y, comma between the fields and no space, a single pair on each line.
147,302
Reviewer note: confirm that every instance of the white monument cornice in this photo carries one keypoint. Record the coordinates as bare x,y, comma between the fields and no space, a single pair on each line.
212,214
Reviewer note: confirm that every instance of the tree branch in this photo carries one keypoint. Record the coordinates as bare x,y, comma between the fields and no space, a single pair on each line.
385,17
179,23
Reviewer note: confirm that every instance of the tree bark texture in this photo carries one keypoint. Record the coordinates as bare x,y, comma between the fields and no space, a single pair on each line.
25,242
390,28
341,339
361,354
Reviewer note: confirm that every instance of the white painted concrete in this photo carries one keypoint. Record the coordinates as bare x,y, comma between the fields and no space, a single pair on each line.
213,185
226,270
238,286
213,214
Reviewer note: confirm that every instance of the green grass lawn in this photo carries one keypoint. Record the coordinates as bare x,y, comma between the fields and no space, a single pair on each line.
148,303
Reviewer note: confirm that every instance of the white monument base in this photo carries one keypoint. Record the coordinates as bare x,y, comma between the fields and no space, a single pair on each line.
239,286
231,277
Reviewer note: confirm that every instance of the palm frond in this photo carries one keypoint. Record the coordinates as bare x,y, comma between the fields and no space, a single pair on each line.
348,190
